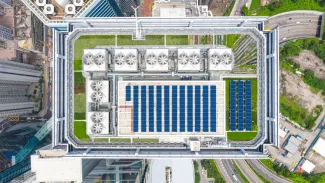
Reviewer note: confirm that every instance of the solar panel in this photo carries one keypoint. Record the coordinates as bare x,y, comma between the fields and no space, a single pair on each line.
151,109
182,108
166,108
128,93
135,108
233,105
248,102
240,105
158,108
143,108
213,108
190,108
205,109
174,108
197,108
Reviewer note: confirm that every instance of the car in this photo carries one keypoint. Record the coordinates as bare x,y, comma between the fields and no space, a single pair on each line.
309,21
298,22
236,13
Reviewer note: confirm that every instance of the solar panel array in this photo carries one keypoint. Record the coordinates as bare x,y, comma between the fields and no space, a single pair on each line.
240,105
188,108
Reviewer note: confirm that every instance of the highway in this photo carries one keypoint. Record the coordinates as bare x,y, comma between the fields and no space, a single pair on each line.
265,172
296,24
247,171
228,171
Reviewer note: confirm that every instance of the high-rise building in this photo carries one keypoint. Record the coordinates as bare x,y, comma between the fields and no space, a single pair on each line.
6,3
5,33
14,80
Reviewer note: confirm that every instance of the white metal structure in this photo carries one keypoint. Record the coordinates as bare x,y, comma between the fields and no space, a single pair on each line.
78,2
189,59
157,60
70,9
126,60
220,59
95,60
40,2
319,147
49,9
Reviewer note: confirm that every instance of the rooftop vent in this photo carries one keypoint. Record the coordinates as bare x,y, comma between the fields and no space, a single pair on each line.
97,96
88,59
100,59
215,59
151,59
97,117
194,59
119,59
183,59
97,85
97,128
131,59
226,58
162,59
70,9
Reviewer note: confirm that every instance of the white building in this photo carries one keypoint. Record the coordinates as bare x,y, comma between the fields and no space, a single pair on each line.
14,80
319,147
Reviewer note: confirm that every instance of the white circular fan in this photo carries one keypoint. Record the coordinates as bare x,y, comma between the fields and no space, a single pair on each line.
88,59
97,128
131,59
97,85
151,59
97,96
162,59
119,59
183,59
97,117
100,59
194,58
226,58
215,59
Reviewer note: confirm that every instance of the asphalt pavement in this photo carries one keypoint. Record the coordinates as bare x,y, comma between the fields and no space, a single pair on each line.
266,173
228,170
247,171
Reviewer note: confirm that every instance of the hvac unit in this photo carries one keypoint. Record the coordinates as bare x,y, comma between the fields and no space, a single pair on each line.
48,9
100,59
97,128
162,59
40,2
88,59
183,58
215,59
131,59
119,59
226,58
97,85
97,117
97,96
194,59
78,2
70,9
151,59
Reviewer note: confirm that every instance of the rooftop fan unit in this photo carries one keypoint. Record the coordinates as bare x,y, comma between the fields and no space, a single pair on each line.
162,59
48,9
151,59
194,59
70,9
88,59
97,96
100,59
97,117
119,59
97,85
97,128
40,2
183,59
226,58
131,59
215,59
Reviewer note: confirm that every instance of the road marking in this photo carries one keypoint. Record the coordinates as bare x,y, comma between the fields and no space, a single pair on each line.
311,155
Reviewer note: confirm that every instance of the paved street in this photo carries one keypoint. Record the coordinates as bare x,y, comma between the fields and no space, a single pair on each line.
266,173
247,171
228,170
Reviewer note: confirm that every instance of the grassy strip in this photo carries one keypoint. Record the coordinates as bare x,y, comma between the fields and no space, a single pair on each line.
120,140
150,40
197,173
80,106
145,140
239,172
231,39
288,5
80,130
255,4
259,175
231,6
254,101
79,78
177,40
212,170
241,136
268,163
77,65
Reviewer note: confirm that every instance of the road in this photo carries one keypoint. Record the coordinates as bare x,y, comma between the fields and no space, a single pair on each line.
228,171
238,6
265,172
247,171
296,24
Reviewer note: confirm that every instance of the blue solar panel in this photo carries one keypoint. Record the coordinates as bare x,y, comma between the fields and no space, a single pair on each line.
166,108
143,109
174,108
158,108
205,109
240,105
213,108
128,93
151,110
197,108
190,108
182,109
233,105
248,102
135,108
